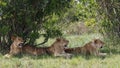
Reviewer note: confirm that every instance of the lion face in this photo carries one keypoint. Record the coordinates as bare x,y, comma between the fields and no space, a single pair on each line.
16,45
18,41
58,47
63,42
98,43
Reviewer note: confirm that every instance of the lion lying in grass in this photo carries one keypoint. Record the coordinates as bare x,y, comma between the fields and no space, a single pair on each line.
56,49
91,48
16,46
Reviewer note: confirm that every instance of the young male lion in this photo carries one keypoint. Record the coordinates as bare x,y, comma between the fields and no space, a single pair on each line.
91,48
56,49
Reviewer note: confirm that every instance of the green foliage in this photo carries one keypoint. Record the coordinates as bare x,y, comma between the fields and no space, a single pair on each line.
31,19
2,3
4,30
84,10
90,22
110,16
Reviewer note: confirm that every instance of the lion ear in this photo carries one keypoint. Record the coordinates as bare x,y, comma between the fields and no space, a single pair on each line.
13,38
58,39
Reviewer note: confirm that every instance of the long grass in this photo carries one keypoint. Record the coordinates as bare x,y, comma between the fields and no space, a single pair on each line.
45,61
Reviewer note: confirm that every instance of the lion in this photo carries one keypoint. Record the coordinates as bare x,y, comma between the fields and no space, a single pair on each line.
91,48
16,46
56,49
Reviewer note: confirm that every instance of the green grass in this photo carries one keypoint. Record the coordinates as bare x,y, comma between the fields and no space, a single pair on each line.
112,61
45,61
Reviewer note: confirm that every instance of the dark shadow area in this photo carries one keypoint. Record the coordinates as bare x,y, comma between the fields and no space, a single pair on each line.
34,56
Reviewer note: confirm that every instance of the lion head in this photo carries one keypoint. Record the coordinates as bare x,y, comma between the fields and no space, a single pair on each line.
62,42
16,46
59,46
98,43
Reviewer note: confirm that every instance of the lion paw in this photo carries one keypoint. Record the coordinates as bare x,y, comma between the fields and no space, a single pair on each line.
7,56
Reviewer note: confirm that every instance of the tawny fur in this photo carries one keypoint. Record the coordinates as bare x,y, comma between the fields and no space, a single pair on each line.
91,48
56,49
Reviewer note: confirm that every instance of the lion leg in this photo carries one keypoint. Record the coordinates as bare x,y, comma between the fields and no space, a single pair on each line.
65,55
97,53
102,54
7,55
